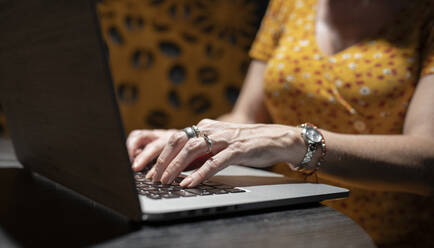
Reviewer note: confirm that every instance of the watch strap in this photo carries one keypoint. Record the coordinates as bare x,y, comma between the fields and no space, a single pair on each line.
311,148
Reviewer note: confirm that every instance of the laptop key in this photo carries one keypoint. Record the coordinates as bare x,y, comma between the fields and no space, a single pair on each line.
199,191
140,179
210,183
206,192
166,186
178,179
143,192
161,190
154,191
195,191
153,196
224,187
139,184
204,187
235,190
218,191
146,187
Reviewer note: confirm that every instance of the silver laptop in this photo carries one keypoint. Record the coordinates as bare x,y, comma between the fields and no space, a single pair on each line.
56,91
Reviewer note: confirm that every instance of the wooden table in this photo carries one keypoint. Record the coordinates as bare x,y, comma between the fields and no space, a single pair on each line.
35,212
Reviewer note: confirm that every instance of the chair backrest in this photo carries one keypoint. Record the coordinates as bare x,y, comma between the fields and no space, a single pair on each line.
175,62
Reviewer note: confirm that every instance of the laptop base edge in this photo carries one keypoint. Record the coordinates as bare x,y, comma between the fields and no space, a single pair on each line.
266,206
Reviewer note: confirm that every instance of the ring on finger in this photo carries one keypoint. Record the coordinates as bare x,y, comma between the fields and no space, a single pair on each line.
191,133
196,131
208,142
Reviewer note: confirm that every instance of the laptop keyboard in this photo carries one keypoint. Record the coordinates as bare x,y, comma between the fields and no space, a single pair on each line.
158,190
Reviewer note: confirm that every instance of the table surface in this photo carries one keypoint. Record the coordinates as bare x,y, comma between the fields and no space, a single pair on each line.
35,212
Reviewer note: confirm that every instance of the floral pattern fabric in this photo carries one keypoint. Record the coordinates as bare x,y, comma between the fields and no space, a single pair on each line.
364,89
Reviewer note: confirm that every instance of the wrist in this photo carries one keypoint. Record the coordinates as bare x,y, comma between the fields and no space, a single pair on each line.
315,149
295,147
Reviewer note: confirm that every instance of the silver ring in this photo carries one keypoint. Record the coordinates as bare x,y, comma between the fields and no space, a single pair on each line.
196,131
208,142
190,132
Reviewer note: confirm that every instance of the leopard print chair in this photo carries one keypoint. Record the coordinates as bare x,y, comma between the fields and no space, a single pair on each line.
175,62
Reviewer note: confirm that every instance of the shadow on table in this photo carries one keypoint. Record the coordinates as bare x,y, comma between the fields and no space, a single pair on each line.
37,213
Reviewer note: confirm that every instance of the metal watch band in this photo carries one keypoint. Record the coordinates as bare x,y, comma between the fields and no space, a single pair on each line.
311,148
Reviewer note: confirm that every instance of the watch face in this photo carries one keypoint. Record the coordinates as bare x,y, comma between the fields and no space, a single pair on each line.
313,135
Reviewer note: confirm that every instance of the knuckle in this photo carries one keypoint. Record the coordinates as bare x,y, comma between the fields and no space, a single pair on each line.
169,170
201,174
134,133
205,122
213,164
160,161
131,136
175,139
236,148
132,143
179,135
175,165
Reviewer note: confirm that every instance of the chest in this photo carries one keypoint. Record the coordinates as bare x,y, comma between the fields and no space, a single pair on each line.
341,24
386,64
373,78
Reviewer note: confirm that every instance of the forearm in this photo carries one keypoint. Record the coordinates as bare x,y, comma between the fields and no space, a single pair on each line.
389,162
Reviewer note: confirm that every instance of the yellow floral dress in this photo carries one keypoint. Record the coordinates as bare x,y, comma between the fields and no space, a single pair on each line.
364,89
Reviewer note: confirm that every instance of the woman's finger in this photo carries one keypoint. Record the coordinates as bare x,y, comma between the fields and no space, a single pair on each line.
213,165
149,153
193,149
137,152
174,145
150,173
138,139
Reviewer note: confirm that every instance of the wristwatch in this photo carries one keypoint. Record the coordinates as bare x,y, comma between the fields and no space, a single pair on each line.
313,139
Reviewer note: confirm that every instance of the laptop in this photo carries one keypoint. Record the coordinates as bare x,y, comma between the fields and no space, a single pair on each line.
64,121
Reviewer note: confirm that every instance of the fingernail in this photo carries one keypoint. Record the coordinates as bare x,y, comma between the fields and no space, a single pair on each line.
187,181
164,175
155,178
149,174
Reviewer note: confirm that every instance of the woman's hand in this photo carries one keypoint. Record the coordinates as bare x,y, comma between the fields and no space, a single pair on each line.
256,145
144,146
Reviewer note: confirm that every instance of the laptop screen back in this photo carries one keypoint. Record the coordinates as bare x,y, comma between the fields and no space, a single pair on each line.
59,101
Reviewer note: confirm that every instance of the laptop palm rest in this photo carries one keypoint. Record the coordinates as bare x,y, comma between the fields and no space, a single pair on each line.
264,189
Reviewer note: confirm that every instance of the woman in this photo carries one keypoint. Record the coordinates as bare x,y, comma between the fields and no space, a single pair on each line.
362,71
